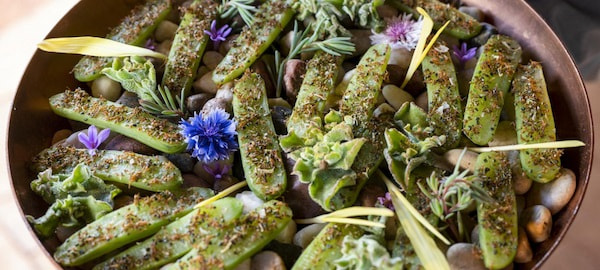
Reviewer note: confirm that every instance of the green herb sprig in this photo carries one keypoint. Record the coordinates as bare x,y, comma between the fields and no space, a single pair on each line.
230,8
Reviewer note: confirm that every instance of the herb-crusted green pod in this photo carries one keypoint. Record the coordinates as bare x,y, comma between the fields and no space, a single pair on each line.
188,46
490,83
498,222
201,227
157,133
238,240
535,123
142,218
318,84
324,250
360,98
462,26
259,146
445,111
133,30
269,21
153,173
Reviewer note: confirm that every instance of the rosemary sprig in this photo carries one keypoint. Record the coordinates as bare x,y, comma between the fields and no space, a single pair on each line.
229,8
164,105
343,216
305,41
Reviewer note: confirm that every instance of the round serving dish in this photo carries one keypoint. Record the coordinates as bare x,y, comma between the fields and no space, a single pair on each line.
32,123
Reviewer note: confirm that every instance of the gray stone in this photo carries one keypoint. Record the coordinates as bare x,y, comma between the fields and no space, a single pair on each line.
216,103
61,135
123,143
192,180
474,12
304,236
524,253
211,59
267,260
556,194
361,39
106,88
195,103
387,11
129,99
226,45
183,161
205,84
464,256
165,31
395,96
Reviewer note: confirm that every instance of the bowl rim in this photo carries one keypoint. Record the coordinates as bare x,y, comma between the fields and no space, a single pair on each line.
523,3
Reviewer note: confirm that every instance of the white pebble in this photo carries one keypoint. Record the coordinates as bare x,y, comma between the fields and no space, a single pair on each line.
396,96
556,194
307,234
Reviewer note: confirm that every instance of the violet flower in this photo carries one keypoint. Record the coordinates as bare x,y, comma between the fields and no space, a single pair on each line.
464,54
217,169
218,35
386,201
93,139
400,32
150,44
210,137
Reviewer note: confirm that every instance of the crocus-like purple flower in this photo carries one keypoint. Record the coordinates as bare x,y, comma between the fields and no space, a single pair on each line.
218,35
464,54
210,137
386,201
217,169
150,45
400,32
93,139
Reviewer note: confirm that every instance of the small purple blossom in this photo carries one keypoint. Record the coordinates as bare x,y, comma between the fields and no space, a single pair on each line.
386,201
150,44
93,139
400,32
464,54
217,169
210,137
218,35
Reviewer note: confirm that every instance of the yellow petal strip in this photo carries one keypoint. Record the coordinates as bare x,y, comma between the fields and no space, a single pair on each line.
95,46
342,216
222,194
421,51
410,208
546,145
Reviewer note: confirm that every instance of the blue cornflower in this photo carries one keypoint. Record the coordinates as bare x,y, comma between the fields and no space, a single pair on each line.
210,137
93,139
218,35
463,54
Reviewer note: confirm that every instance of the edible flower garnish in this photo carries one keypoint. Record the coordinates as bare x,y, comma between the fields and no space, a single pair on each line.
400,32
386,201
93,139
464,54
210,137
218,35
217,169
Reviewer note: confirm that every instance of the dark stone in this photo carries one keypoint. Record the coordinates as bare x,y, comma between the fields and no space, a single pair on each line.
289,253
123,143
195,103
192,180
396,75
129,99
183,161
260,68
225,182
293,77
487,31
280,115
369,194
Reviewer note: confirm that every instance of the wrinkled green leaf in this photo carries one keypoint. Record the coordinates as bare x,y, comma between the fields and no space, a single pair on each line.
135,74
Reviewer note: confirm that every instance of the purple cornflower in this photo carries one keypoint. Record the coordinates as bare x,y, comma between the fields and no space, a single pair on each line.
400,32
210,137
93,139
217,169
386,201
218,35
463,54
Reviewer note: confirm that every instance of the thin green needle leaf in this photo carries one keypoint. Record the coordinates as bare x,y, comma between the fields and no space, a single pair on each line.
546,145
95,46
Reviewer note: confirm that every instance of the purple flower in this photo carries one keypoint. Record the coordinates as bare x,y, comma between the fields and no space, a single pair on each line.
93,139
217,169
463,54
210,137
400,32
386,201
150,45
218,35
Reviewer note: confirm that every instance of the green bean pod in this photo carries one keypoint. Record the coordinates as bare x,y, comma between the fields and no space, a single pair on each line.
157,133
489,86
360,98
201,227
535,123
445,110
498,221
269,21
153,173
318,84
259,145
461,26
325,248
239,240
188,46
142,218
134,29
